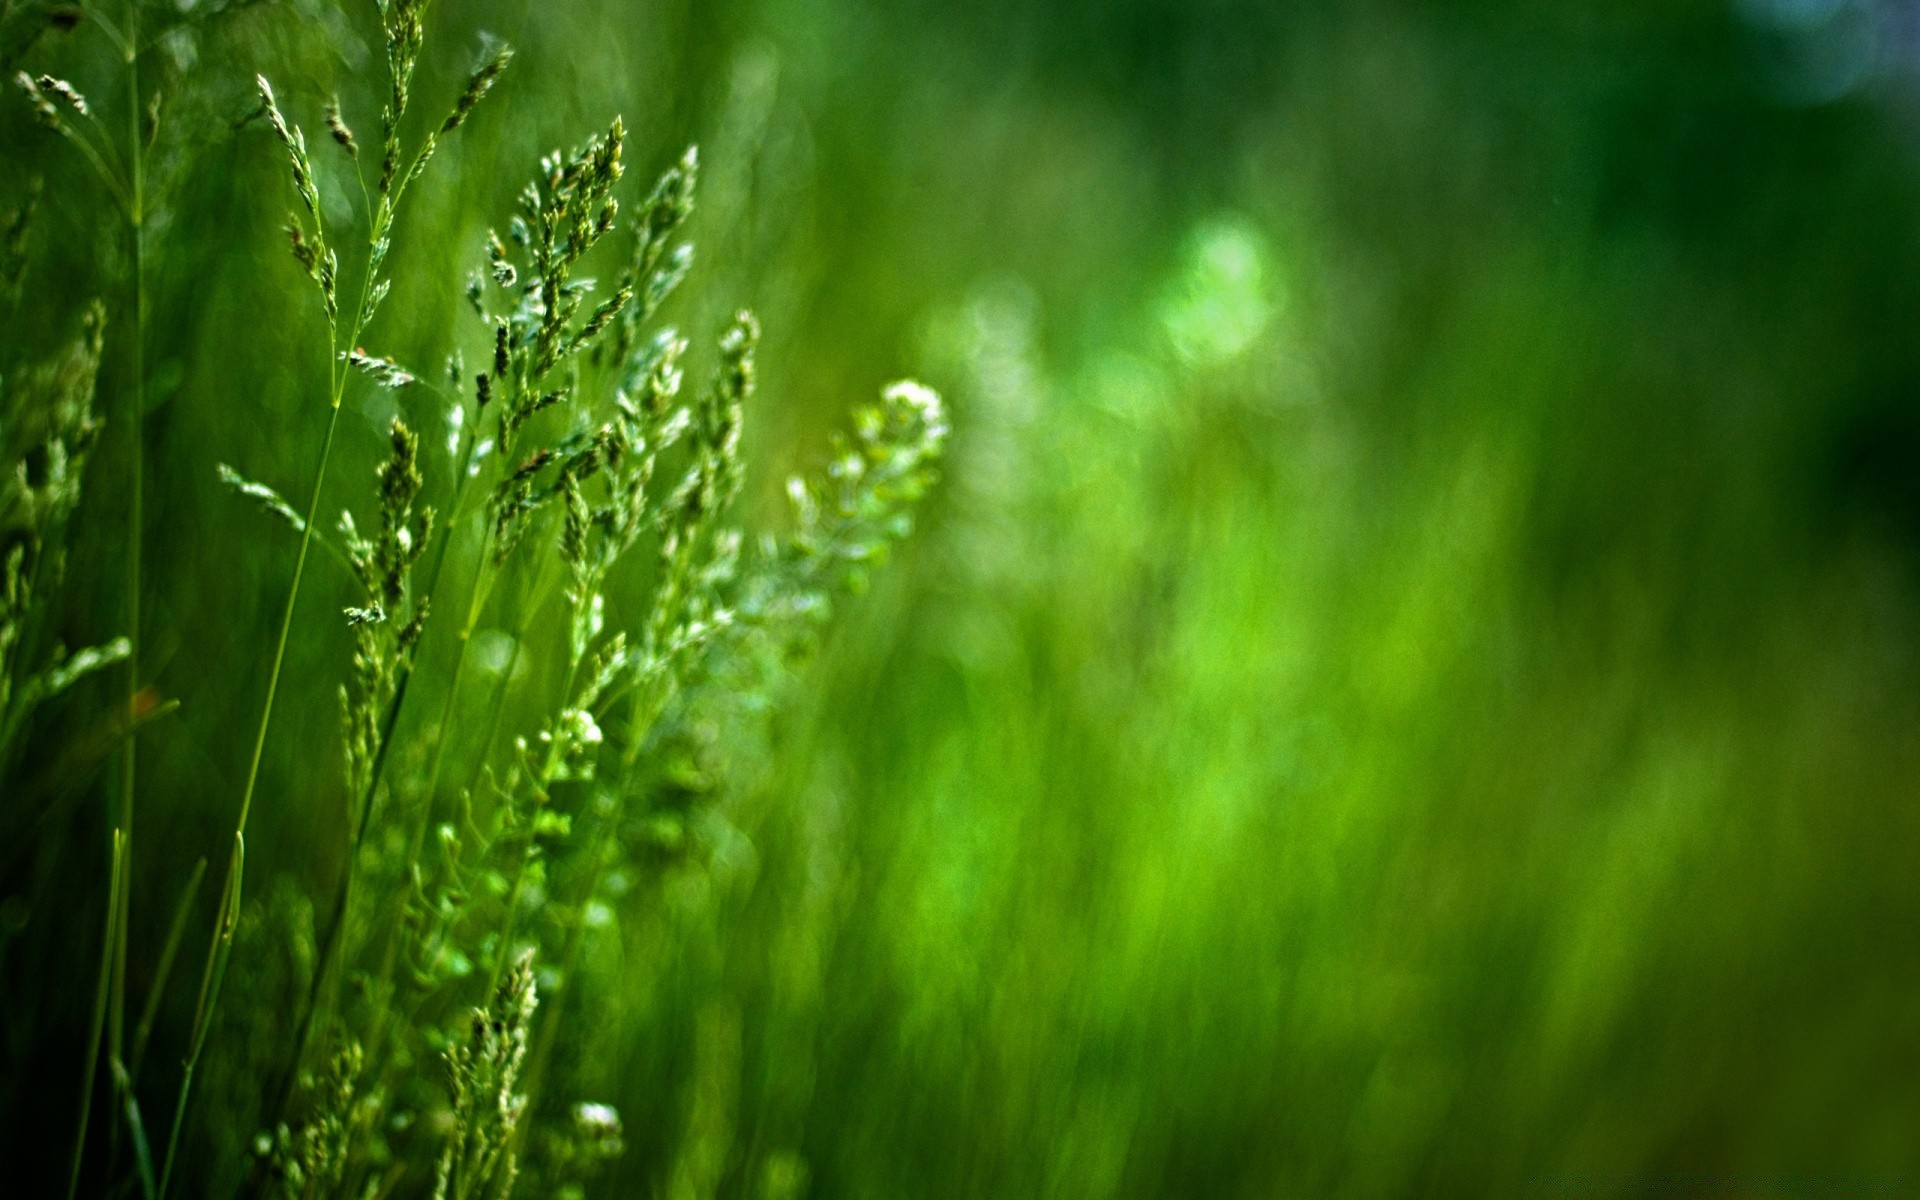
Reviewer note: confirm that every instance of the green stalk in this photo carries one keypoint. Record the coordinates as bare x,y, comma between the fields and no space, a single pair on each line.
483,582
482,586
210,980
99,1020
542,797
389,961
222,945
136,487
558,993
336,928
137,1131
169,950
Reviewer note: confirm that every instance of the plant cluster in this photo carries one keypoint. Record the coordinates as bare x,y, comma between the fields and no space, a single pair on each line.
587,478
48,427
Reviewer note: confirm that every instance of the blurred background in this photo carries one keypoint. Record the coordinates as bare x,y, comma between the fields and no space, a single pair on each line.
1409,683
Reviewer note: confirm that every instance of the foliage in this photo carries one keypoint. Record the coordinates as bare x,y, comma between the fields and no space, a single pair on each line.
49,432
1404,688
598,472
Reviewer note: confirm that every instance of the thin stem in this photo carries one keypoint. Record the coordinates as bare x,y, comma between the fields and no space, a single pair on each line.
476,604
210,981
649,703
496,710
218,951
482,586
286,621
106,140
99,166
120,41
223,942
542,587
336,387
136,487
336,934
542,784
558,992
99,1021
136,1129
164,970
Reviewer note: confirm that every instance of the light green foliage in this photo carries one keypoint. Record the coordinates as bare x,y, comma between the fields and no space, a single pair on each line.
488,1107
596,453
315,1162
846,521
388,624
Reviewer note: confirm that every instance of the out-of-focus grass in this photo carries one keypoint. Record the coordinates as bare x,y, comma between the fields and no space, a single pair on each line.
1449,740
1410,684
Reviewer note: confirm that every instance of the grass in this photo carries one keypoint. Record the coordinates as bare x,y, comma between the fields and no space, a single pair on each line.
596,471
1403,687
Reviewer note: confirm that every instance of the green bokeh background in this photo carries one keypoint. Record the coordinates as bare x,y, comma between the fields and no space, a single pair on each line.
1409,684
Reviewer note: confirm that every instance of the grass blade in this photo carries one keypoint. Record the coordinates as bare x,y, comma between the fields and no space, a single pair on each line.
137,1129
99,1021
168,952
210,980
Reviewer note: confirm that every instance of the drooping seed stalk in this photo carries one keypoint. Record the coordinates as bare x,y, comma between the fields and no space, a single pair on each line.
401,24
404,40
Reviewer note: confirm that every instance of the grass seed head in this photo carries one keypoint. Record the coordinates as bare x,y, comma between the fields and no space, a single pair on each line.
44,109
337,126
479,83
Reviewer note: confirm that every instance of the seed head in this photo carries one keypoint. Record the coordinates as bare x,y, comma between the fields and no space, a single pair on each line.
384,370
66,92
43,108
478,85
337,126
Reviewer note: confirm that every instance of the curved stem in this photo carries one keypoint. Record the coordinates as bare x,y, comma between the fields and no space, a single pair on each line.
121,41
163,970
100,168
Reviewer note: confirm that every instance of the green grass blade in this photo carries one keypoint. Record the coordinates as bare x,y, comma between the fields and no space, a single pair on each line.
137,1130
168,952
210,980
99,1022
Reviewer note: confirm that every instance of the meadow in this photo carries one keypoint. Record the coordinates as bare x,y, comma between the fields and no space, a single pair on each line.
1106,598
